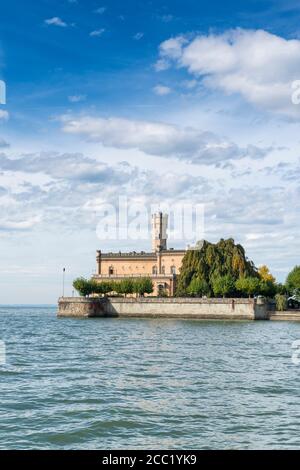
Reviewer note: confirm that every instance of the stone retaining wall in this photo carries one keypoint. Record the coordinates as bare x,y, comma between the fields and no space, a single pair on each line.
214,309
288,315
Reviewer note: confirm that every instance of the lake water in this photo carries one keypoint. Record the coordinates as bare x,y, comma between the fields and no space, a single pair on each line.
149,384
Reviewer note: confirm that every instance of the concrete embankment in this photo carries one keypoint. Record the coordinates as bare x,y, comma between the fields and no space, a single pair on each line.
189,308
289,315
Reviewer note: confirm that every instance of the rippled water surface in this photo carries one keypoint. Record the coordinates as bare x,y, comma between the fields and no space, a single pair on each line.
130,383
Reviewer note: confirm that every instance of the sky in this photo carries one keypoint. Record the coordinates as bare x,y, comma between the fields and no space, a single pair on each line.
164,102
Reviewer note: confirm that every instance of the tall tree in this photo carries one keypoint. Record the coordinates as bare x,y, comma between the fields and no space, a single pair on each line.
293,279
265,275
212,261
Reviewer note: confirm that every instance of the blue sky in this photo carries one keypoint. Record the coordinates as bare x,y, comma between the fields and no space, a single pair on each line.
162,101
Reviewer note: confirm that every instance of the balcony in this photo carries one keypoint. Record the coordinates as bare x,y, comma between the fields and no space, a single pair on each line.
122,276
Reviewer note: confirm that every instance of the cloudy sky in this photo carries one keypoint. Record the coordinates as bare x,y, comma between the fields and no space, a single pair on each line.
164,102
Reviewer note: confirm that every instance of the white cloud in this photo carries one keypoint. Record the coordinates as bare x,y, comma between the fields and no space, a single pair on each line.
256,236
258,65
160,139
71,183
100,10
51,193
161,65
76,98
189,84
167,18
56,21
138,36
172,48
4,115
97,32
162,90
9,225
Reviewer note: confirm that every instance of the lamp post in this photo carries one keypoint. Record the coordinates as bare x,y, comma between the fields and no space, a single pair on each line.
63,283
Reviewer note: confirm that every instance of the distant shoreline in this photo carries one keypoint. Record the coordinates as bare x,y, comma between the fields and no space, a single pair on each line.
27,305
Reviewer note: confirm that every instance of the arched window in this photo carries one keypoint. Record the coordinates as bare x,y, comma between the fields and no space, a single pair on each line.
110,271
154,270
173,269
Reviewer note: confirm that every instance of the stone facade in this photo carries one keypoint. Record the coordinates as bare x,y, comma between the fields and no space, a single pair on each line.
162,265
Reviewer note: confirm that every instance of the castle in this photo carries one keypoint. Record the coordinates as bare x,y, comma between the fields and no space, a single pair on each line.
162,265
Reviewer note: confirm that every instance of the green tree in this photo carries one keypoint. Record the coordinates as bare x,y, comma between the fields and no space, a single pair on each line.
281,289
83,286
267,288
212,261
223,285
293,279
116,287
125,286
248,285
198,287
143,286
103,287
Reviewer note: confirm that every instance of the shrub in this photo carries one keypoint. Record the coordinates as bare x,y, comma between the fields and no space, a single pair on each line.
281,303
163,293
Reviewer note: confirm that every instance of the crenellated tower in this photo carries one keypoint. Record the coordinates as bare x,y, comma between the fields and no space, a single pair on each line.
159,231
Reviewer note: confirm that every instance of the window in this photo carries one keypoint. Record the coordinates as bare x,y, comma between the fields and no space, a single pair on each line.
173,269
110,271
163,270
154,270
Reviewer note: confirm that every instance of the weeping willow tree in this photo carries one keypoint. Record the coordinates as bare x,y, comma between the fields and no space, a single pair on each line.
214,261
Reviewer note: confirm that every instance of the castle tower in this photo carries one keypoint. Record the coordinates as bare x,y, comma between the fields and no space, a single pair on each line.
159,231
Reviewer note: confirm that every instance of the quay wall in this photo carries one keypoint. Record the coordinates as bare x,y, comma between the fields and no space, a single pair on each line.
189,308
